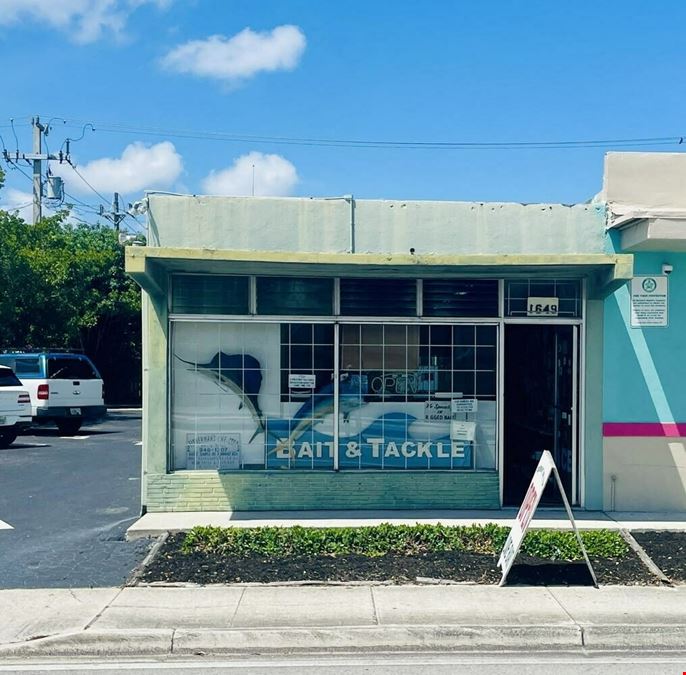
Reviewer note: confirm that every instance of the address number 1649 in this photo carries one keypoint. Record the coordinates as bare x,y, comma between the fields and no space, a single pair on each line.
542,306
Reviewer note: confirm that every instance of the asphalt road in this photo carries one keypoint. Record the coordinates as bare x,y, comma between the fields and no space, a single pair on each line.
627,663
69,502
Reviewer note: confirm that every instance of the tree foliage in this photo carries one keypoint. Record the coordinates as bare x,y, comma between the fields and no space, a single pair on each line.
63,285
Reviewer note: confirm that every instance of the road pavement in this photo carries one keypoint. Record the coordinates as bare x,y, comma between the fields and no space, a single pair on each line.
627,663
68,502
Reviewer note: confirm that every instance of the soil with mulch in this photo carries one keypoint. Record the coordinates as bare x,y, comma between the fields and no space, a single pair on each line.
171,565
667,550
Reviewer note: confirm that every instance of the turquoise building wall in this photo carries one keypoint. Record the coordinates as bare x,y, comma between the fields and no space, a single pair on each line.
645,368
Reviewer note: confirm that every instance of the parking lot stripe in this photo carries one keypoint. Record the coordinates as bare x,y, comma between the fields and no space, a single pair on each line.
75,438
5,526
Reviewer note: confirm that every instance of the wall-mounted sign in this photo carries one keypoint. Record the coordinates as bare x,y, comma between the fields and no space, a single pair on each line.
297,381
464,405
462,431
649,297
536,306
221,452
437,411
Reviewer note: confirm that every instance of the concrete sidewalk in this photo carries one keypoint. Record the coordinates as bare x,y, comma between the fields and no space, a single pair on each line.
154,524
141,621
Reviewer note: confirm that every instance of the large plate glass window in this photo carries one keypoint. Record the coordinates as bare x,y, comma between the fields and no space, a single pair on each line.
243,394
417,396
261,395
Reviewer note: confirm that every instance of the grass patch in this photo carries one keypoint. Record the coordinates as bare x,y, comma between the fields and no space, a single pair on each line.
408,540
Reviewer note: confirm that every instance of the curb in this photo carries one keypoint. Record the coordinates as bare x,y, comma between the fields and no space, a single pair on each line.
376,638
156,642
135,576
635,636
148,642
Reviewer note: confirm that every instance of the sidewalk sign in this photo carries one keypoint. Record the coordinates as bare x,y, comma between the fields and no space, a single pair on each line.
546,466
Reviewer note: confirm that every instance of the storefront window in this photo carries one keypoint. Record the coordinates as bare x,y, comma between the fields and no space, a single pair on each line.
256,395
418,397
225,384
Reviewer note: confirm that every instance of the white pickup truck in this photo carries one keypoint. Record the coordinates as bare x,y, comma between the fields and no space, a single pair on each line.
15,407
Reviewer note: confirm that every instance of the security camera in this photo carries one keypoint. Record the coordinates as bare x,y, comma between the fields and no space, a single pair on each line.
667,268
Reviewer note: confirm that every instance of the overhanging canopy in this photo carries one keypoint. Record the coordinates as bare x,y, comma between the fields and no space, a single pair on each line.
151,266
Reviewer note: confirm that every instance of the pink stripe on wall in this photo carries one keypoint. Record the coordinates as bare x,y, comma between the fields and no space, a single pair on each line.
655,429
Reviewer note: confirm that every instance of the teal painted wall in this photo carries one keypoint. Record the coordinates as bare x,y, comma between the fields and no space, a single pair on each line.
645,368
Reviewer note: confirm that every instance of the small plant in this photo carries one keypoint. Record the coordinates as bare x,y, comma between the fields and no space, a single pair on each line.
283,542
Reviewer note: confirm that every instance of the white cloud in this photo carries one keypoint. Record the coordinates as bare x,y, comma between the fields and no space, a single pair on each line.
275,176
84,20
237,58
17,201
140,167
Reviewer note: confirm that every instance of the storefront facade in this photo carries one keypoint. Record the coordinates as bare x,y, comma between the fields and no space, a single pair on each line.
352,354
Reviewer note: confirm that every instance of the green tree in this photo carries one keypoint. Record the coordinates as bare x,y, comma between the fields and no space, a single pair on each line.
63,286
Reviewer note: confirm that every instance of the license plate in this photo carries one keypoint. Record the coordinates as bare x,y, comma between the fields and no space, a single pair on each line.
3,420
74,411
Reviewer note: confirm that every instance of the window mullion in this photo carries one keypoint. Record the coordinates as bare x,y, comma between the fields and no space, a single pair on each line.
336,391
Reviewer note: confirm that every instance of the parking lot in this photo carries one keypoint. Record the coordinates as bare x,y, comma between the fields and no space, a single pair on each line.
65,504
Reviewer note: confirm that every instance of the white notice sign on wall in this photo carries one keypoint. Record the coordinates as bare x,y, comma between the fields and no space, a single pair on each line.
298,381
464,405
462,431
221,452
649,297
437,411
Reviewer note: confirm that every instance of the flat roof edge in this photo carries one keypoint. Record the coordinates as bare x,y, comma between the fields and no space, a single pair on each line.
411,260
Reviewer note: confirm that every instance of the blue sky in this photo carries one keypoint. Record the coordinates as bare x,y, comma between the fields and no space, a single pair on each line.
384,71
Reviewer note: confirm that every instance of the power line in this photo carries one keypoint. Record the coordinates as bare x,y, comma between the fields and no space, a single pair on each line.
78,173
125,128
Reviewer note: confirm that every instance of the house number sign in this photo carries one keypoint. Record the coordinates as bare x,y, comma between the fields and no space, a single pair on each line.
542,306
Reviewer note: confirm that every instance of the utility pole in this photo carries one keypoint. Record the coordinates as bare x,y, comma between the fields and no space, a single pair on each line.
38,130
36,159
115,215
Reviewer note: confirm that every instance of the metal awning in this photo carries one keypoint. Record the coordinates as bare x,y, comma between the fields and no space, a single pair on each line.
151,266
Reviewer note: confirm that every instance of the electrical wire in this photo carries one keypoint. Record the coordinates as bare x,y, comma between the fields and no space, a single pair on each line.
379,144
78,173
80,205
17,207
75,140
21,171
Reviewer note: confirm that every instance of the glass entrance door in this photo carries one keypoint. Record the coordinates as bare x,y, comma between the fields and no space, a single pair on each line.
540,406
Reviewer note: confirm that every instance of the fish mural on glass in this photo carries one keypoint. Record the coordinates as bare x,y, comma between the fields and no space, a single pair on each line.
351,389
238,373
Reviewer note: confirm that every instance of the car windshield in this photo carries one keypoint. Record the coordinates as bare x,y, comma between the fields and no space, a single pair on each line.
8,378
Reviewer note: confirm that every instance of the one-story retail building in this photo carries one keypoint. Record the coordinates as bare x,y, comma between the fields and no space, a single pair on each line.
370,354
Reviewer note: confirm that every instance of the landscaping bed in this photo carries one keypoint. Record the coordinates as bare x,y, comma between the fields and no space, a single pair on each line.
667,550
389,553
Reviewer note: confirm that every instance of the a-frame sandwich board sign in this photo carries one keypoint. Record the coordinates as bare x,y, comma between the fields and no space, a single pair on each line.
546,466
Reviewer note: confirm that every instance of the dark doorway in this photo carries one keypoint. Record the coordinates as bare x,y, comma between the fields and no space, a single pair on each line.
540,372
